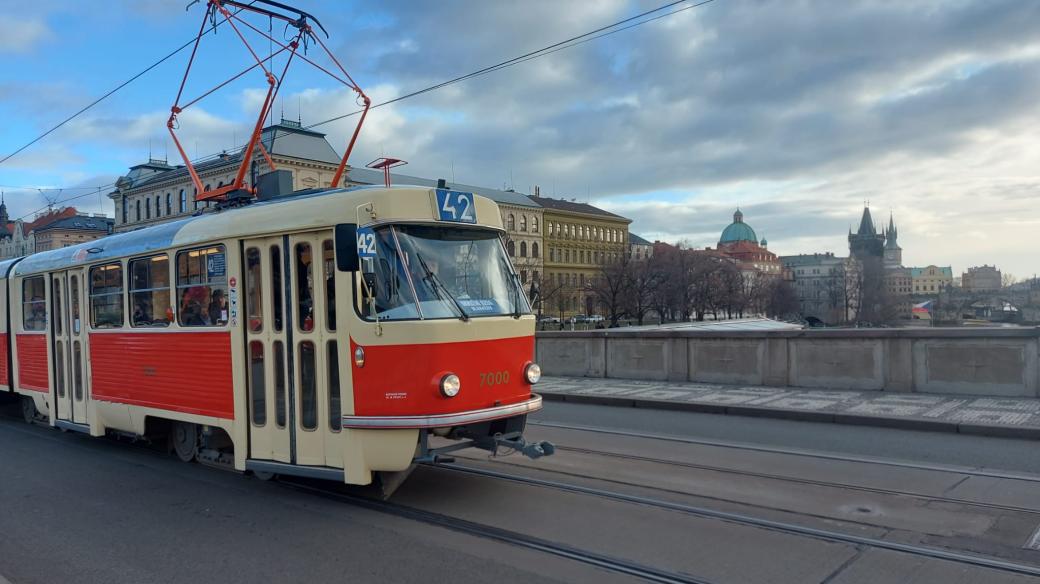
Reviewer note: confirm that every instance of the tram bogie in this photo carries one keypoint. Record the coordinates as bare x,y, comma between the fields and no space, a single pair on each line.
326,334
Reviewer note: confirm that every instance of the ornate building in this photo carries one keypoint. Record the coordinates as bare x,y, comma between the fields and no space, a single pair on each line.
739,241
580,239
50,230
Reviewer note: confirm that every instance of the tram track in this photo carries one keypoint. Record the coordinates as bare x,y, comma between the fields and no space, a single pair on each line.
759,522
514,538
762,475
963,470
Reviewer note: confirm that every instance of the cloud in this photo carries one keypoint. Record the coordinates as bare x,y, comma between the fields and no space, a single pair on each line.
22,35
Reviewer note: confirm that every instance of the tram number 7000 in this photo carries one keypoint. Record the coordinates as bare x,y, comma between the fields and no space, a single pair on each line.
493,378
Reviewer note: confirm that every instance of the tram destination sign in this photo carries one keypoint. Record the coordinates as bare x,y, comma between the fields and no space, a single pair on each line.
456,206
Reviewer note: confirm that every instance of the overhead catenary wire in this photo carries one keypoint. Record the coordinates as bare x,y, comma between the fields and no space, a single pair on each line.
108,94
574,41
616,27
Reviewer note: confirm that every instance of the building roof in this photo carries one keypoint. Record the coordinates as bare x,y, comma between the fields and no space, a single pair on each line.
634,239
80,223
810,259
943,270
738,231
370,176
866,223
574,207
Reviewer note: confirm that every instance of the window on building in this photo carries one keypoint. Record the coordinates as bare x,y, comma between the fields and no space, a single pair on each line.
34,304
523,223
126,209
147,209
510,222
169,204
150,292
183,201
523,249
523,276
195,198
534,276
158,206
138,210
511,248
534,224
106,296
202,287
534,249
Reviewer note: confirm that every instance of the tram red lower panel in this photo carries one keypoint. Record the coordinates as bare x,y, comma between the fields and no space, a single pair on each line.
5,375
181,372
32,362
401,380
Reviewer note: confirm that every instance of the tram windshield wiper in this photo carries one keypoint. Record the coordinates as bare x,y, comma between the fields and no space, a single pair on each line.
439,288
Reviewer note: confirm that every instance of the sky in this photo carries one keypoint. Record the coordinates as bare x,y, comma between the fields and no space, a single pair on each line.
796,111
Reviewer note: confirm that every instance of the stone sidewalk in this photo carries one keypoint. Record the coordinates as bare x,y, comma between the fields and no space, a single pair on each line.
988,416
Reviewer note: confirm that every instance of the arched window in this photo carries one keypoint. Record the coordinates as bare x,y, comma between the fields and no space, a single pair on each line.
523,249
534,275
523,223
534,251
184,201
534,227
510,222
126,209
147,209
169,204
138,210
523,276
158,206
511,248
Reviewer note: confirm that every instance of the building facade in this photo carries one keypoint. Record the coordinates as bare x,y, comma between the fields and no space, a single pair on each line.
981,279
155,192
739,241
931,280
824,283
581,240
639,248
51,230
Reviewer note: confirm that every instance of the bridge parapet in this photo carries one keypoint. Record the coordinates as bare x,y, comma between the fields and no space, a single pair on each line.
970,361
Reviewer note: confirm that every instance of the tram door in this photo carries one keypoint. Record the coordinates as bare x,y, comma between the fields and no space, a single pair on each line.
69,364
288,342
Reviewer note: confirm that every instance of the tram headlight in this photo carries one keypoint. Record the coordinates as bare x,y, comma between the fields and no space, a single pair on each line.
359,357
533,373
450,385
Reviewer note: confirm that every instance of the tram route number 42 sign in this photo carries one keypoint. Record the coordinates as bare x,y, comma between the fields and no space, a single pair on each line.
366,242
456,206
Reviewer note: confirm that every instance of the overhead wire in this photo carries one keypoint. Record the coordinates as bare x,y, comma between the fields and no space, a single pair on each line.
616,27
548,50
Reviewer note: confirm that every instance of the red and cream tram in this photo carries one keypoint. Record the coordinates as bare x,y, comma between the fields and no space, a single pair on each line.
323,334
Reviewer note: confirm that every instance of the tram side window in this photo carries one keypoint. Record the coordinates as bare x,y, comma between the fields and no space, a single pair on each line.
304,287
329,262
202,287
106,296
254,310
34,306
150,292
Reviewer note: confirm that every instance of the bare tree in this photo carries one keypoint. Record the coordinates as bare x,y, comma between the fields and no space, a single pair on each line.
783,300
610,288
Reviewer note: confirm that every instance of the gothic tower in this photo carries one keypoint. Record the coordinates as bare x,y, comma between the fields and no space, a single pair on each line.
893,253
866,242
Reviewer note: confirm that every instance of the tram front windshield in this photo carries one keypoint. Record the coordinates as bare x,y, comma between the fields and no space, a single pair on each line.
452,272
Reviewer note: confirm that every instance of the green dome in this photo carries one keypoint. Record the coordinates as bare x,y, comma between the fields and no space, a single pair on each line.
738,230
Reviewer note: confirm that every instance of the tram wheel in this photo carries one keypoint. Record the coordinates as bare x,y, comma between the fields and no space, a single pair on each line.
28,409
184,437
263,475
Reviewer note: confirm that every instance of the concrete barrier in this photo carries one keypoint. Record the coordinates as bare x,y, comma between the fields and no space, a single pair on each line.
971,361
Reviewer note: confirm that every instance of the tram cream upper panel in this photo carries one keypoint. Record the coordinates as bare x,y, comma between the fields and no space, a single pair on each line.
325,210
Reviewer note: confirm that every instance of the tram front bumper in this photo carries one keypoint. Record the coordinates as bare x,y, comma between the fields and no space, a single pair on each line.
533,404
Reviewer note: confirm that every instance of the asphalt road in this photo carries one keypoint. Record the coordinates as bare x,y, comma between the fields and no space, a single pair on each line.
96,510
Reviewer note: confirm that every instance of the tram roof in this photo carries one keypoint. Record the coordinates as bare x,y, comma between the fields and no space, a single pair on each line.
301,211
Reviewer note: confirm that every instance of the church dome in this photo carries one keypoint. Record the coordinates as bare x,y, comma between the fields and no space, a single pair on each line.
738,231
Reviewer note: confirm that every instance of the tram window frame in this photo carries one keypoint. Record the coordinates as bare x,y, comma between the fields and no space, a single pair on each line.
253,290
109,281
334,387
56,311
257,384
206,284
304,288
151,290
308,380
30,314
328,261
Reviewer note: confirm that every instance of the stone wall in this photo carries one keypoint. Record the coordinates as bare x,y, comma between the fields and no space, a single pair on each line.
970,361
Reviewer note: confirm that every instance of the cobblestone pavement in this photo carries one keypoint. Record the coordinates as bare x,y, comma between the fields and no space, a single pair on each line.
1019,417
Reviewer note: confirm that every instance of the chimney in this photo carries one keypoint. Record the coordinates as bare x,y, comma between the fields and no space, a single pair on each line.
537,191
442,184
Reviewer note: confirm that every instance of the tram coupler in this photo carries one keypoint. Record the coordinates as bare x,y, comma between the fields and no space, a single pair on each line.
516,442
